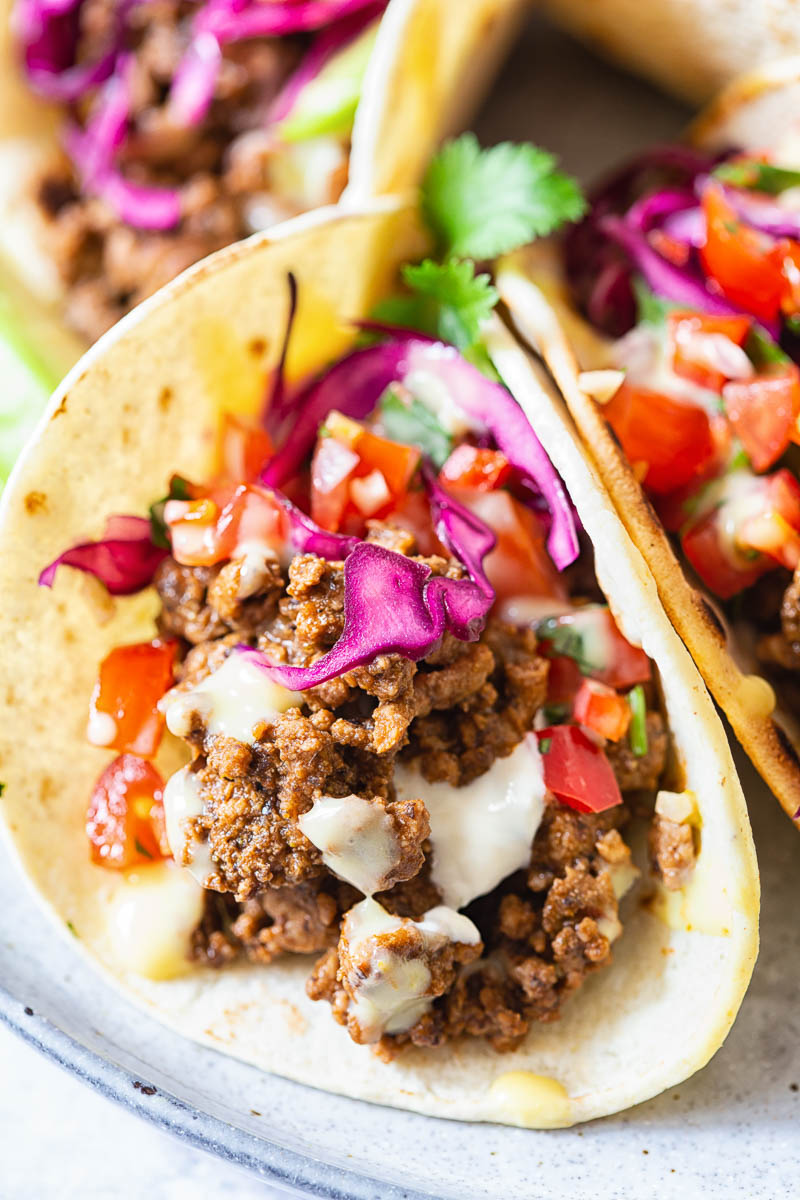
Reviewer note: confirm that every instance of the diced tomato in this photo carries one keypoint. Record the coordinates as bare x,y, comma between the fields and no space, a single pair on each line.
414,514
740,259
396,462
208,531
246,447
692,338
576,770
702,545
332,468
132,680
519,565
673,440
125,820
669,247
746,534
592,637
763,412
787,253
370,493
564,679
602,709
475,467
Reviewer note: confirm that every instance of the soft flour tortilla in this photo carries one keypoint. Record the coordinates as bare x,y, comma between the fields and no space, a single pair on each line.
756,111
690,47
145,402
432,63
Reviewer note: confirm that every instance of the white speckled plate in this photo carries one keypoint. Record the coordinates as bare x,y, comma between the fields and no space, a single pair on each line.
731,1131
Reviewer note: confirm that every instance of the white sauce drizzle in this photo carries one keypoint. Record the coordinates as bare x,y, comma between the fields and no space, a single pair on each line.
101,728
483,832
182,801
253,558
393,997
232,701
356,838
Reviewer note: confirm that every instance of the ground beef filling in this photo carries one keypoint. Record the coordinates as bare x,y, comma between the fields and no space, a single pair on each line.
542,930
222,166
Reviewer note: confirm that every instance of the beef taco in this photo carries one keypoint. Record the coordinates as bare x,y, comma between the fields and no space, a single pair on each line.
350,736
135,138
669,319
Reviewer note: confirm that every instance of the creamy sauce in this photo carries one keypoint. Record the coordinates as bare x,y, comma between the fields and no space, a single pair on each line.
532,1101
483,832
182,802
394,995
151,918
680,807
645,356
356,838
231,701
101,728
254,558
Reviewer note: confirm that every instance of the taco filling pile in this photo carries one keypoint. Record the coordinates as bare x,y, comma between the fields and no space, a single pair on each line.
188,127
416,734
691,263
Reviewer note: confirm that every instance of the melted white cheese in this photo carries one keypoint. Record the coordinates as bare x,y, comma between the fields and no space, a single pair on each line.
182,802
254,558
356,838
151,919
232,700
483,832
394,996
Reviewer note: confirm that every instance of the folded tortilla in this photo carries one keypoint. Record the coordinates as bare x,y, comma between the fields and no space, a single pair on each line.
430,67
752,112
145,402
689,47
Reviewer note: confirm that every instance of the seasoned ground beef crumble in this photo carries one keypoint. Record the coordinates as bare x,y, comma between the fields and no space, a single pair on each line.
543,930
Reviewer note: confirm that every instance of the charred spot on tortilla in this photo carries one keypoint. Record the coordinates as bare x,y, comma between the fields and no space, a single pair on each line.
787,746
35,502
257,347
165,397
712,617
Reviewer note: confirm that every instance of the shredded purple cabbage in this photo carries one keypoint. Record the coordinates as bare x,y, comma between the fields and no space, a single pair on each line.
755,210
308,538
355,384
49,32
124,559
396,605
681,285
648,191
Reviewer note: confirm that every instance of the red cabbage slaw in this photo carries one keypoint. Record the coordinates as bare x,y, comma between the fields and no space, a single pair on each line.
356,383
615,239
48,32
124,559
396,605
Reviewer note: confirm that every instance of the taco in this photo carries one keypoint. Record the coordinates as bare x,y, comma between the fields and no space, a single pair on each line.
390,744
668,317
136,138
689,47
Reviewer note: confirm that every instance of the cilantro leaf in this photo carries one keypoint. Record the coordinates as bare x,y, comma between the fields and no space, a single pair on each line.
462,299
759,176
178,490
650,308
406,419
480,203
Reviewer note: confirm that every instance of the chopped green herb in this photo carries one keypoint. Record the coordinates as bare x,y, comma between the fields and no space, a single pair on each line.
762,350
567,640
556,714
406,419
481,203
142,849
544,745
72,928
637,731
740,460
178,490
2,788
759,176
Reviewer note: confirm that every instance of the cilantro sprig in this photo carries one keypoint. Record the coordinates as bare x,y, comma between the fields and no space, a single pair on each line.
477,204
481,203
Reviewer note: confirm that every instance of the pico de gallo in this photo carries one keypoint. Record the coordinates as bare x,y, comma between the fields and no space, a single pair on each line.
415,732
691,263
